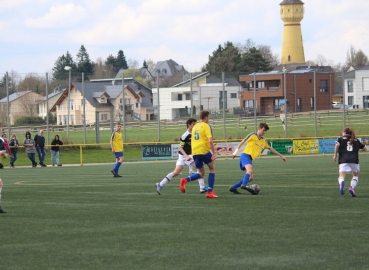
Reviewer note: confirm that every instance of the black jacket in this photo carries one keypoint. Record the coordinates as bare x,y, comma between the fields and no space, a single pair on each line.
14,143
55,142
39,140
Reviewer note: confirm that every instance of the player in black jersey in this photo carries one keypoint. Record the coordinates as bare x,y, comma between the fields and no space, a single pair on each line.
348,146
184,158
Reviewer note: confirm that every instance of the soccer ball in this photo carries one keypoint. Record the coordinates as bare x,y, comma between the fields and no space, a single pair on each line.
255,188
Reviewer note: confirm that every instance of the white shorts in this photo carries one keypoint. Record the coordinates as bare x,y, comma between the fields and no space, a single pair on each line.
181,161
349,167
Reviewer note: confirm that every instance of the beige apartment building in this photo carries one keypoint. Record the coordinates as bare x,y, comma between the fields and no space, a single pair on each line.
23,103
103,97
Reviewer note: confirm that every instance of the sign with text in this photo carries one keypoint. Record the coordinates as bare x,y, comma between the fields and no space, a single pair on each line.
327,145
303,147
283,146
160,151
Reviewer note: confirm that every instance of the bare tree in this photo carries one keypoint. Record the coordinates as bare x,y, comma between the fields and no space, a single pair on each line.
34,82
29,105
356,58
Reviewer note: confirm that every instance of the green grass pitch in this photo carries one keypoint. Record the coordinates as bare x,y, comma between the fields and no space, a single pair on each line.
75,217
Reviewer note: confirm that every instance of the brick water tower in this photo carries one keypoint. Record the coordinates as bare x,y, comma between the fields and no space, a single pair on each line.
292,13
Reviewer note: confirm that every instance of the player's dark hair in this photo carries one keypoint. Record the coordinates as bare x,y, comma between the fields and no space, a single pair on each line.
264,125
28,133
350,132
190,121
204,114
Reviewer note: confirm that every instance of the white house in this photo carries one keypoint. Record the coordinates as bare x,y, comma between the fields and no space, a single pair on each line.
356,87
207,93
51,99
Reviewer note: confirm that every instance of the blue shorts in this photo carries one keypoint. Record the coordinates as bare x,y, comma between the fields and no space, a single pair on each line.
118,154
201,159
245,159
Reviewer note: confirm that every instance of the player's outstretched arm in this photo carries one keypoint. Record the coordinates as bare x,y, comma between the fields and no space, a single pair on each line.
277,153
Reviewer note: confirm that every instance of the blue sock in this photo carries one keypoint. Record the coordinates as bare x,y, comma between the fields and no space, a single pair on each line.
245,179
238,184
211,181
116,166
193,177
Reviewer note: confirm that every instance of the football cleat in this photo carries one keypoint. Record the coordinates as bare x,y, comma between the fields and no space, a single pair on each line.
234,190
114,173
204,190
352,191
342,187
248,189
158,188
2,211
211,195
182,184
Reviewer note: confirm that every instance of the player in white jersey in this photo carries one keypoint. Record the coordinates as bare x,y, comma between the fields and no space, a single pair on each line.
184,158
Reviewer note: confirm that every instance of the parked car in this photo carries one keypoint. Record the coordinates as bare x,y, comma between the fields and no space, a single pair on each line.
337,105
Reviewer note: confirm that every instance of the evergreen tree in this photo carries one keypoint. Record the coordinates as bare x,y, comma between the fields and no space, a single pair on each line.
84,64
145,64
120,61
253,61
110,64
59,73
224,59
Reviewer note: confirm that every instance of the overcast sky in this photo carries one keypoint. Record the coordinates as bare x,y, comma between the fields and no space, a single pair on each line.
34,33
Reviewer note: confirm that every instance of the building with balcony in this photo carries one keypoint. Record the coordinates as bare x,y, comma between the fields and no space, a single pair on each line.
195,94
302,86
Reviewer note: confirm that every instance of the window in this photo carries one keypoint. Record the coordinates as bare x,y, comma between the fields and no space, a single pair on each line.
83,102
104,116
350,86
60,119
299,104
277,104
137,105
365,84
233,95
261,84
179,96
310,80
249,104
350,100
312,103
188,96
365,101
102,100
289,58
323,86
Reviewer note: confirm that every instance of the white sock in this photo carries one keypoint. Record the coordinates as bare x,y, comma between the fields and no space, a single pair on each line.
0,193
190,169
166,179
354,181
201,183
340,180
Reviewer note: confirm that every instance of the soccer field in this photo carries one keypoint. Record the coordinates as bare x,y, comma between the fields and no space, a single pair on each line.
75,217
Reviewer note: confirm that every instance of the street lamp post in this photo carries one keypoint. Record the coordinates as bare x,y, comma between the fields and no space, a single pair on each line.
285,101
68,69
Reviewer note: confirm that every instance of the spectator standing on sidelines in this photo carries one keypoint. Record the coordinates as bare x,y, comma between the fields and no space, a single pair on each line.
14,143
348,146
6,144
255,144
203,153
184,158
55,150
40,147
116,144
29,145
